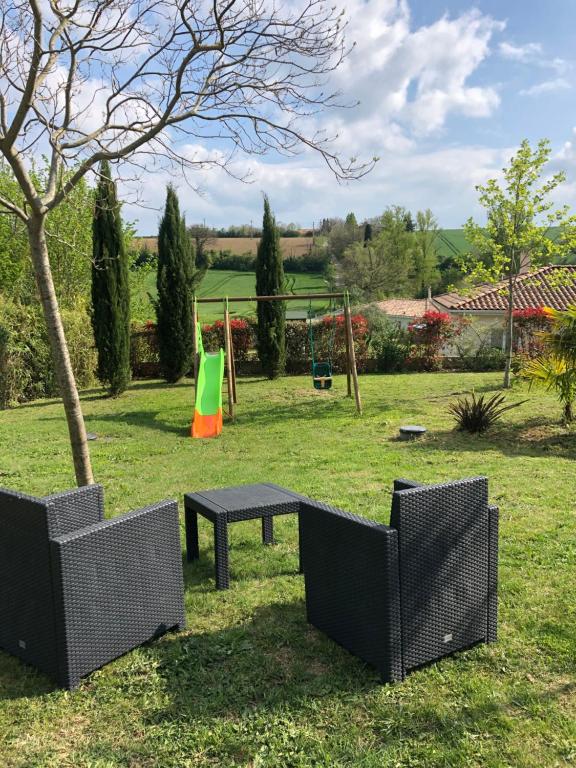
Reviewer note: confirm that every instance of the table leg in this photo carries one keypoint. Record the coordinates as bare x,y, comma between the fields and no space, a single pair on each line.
192,549
300,563
221,552
268,530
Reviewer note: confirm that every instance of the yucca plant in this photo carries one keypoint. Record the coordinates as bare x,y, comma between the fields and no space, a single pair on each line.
477,414
558,375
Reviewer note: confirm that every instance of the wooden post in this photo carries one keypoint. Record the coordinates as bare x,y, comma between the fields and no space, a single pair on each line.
348,366
228,355
195,345
233,364
353,358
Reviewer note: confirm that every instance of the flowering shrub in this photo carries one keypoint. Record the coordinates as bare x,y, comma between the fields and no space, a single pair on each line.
242,337
528,325
428,334
329,337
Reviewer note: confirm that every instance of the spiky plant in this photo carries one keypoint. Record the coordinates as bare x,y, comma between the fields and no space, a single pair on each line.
477,414
558,375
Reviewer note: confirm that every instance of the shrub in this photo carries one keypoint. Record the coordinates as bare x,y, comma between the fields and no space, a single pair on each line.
329,343
309,262
388,343
476,415
528,325
26,369
237,262
144,353
243,337
428,335
480,357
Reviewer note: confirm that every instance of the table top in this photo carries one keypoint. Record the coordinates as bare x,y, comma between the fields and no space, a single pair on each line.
241,497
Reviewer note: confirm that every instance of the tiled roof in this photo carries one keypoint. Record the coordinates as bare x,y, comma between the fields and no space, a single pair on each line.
404,307
550,286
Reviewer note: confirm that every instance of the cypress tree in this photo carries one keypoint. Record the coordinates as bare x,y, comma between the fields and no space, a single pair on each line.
367,232
174,314
270,282
110,287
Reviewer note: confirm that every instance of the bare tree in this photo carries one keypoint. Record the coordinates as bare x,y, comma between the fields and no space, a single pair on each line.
129,80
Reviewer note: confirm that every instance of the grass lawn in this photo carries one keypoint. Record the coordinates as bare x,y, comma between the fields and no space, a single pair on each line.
249,683
223,282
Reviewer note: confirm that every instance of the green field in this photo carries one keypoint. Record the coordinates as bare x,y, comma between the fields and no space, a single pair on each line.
249,684
227,283
451,242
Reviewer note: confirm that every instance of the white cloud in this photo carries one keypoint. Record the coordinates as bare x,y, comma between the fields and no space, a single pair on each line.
415,78
548,86
523,53
304,191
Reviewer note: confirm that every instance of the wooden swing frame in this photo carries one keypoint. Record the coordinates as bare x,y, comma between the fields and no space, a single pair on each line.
351,369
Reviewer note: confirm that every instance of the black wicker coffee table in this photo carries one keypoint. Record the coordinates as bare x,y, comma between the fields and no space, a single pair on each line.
231,505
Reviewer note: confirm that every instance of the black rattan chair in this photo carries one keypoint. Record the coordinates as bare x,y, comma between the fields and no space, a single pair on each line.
403,595
76,591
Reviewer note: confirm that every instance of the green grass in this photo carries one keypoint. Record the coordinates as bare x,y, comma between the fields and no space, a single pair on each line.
220,282
249,683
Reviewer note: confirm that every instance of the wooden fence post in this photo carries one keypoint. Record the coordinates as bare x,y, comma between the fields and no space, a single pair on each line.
352,358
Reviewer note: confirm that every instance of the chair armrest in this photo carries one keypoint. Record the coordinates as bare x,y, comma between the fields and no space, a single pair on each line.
493,518
403,485
117,584
70,510
351,580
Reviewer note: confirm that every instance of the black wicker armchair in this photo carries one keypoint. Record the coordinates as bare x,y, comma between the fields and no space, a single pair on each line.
76,591
403,595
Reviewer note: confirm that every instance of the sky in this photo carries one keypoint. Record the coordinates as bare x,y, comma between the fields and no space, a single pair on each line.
447,91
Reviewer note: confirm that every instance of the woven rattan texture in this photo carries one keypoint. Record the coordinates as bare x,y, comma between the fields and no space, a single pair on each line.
443,539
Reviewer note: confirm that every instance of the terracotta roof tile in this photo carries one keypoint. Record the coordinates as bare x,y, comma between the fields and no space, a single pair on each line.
535,289
404,307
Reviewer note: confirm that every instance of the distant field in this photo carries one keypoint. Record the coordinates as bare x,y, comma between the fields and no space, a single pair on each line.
291,246
452,242
227,283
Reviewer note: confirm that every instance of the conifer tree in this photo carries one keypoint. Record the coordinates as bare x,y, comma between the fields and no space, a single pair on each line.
110,287
174,280
270,282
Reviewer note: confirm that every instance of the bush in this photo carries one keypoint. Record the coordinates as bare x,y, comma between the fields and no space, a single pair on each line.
26,369
329,342
480,357
428,335
388,343
310,262
243,337
528,326
476,415
237,262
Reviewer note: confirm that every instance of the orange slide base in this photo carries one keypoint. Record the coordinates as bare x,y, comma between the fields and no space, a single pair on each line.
207,426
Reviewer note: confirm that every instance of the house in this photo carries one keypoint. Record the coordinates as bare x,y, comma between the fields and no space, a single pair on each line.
549,286
403,311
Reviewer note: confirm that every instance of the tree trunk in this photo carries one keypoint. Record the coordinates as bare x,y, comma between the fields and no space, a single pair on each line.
509,341
59,347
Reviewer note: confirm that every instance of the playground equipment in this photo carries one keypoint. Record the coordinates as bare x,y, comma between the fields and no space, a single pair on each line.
209,370
209,375
321,371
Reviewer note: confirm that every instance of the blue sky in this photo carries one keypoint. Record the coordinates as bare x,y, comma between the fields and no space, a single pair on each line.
447,89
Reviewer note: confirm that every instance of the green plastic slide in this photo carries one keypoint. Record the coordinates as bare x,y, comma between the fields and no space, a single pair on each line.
208,408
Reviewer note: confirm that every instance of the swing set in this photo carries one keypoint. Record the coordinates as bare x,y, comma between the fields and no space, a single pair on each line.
322,370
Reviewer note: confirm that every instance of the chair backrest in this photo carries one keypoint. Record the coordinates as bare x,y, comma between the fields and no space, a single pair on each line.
27,627
443,541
